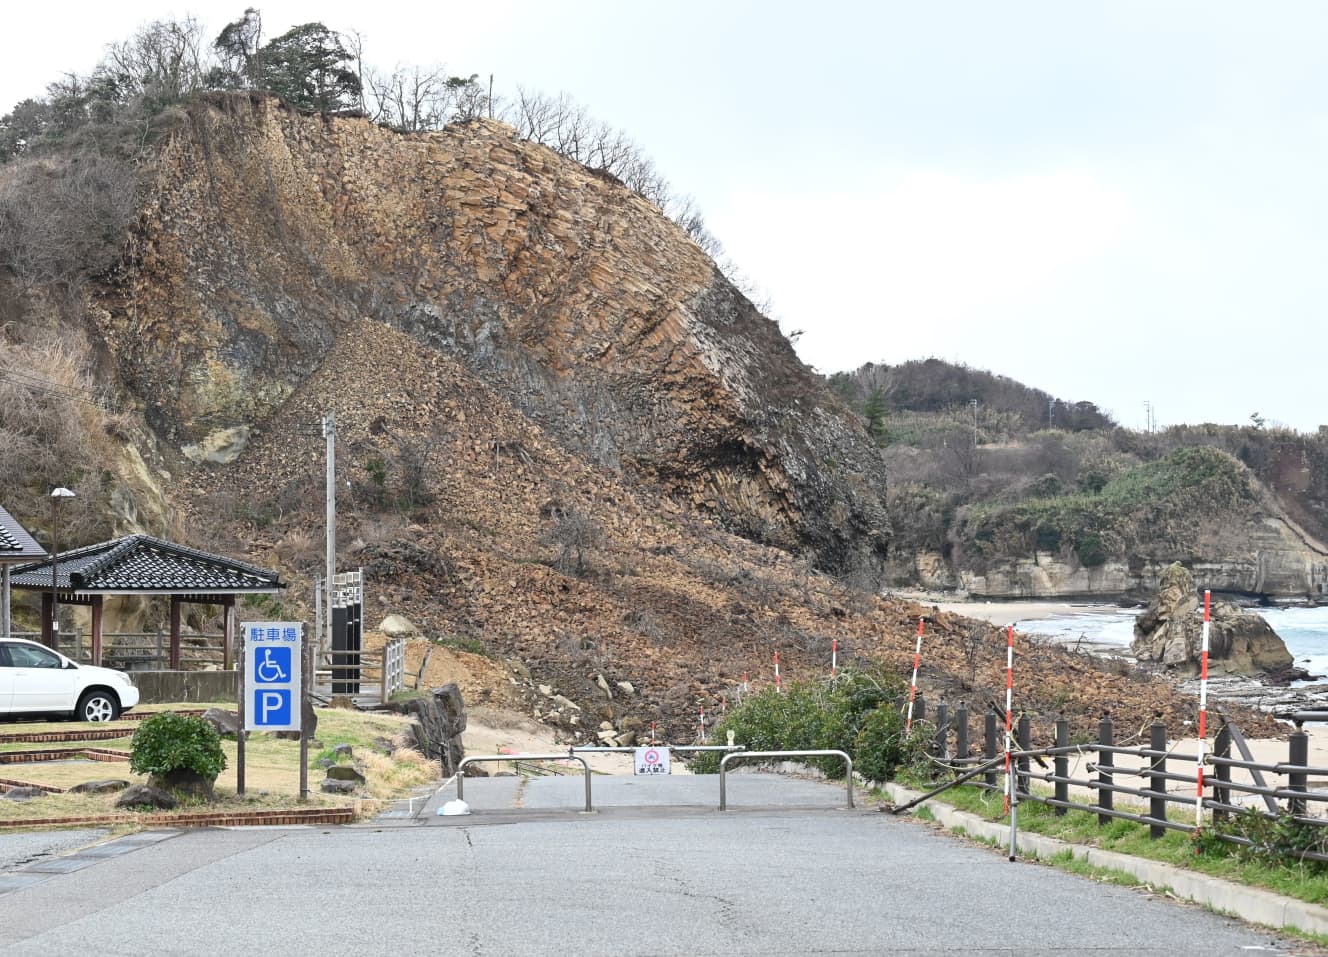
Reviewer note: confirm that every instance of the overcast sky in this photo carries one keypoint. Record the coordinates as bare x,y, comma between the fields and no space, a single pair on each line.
1121,201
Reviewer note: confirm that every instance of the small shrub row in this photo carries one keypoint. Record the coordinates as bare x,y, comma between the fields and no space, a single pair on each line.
855,713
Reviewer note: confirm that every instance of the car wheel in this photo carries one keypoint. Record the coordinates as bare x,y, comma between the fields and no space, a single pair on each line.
97,706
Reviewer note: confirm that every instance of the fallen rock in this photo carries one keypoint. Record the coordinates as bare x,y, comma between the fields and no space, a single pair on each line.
626,687
398,626
145,795
344,772
440,720
1170,632
334,786
99,787
227,723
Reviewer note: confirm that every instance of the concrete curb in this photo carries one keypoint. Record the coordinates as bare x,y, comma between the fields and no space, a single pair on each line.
1248,903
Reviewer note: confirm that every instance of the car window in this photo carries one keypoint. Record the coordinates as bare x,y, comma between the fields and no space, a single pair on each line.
28,656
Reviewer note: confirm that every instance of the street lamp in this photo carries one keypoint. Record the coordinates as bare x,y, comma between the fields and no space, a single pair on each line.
56,495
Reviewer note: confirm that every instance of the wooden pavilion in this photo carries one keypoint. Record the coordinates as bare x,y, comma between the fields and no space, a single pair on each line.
143,565
17,547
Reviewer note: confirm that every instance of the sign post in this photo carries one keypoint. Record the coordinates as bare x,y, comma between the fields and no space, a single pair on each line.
273,675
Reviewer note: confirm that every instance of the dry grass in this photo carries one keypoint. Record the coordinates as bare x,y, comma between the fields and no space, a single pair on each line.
272,769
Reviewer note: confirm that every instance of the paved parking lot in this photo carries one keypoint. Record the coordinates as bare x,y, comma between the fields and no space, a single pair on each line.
787,871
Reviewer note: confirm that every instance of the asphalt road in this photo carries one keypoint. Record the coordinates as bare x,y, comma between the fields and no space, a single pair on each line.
787,870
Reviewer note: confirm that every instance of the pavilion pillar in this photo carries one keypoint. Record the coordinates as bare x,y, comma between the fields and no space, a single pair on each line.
47,637
174,661
228,634
6,625
97,603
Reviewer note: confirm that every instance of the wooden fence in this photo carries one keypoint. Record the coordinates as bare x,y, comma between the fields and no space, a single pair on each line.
1088,776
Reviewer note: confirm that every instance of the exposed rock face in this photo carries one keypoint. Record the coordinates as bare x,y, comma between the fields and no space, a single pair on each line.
269,233
1170,632
1277,564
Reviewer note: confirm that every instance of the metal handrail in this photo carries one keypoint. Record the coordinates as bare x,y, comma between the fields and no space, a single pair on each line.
629,749
476,759
757,755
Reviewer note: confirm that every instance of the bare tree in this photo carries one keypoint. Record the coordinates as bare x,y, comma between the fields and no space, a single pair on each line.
161,64
575,533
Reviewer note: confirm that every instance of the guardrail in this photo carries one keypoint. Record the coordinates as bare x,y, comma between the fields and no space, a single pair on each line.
758,755
478,758
628,749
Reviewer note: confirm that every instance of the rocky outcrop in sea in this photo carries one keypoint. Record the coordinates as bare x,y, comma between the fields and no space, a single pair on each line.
1169,632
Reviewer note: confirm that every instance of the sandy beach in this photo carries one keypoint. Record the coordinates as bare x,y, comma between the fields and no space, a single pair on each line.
1008,612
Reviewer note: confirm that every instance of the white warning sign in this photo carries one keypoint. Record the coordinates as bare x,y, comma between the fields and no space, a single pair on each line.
652,760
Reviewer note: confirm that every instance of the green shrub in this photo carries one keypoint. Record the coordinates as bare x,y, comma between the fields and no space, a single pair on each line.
819,716
170,742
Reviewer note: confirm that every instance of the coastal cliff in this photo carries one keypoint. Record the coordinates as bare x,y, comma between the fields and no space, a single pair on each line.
269,233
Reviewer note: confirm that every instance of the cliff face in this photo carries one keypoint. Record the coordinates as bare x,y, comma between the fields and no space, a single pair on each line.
269,233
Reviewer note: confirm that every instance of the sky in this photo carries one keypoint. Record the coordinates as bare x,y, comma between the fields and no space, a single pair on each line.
1120,202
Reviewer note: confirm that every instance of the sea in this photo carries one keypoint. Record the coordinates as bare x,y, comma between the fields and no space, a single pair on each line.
1305,630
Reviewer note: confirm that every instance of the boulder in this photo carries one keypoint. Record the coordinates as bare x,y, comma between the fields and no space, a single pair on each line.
22,794
99,787
227,723
398,626
144,795
185,783
440,719
343,751
344,772
335,786
1170,632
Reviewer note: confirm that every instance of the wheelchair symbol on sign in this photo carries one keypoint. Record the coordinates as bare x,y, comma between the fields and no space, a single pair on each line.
269,669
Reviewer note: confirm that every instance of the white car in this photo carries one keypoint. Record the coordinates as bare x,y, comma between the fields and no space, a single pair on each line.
36,680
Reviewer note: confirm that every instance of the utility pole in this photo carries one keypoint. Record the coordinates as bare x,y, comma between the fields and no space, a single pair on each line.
330,433
1148,416
974,404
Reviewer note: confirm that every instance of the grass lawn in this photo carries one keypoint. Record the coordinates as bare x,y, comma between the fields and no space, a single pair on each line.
272,767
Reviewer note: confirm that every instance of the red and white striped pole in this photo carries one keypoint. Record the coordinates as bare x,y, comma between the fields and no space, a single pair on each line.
778,689
913,685
1011,795
652,734
744,682
834,658
724,704
1203,710
703,724
1009,712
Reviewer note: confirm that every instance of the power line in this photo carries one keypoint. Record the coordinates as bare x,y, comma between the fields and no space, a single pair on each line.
38,384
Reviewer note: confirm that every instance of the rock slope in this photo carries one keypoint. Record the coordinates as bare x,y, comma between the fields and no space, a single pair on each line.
270,234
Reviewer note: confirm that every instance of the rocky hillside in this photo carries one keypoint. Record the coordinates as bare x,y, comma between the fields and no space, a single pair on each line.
270,233
563,437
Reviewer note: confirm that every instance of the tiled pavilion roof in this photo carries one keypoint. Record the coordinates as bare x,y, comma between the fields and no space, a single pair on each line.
141,564
16,545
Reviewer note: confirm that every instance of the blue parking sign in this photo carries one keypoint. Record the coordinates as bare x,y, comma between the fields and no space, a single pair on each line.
273,662
272,707
272,665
